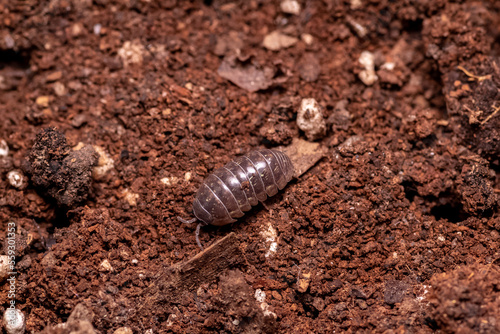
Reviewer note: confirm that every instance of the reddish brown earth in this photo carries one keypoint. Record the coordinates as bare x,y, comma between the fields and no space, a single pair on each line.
396,230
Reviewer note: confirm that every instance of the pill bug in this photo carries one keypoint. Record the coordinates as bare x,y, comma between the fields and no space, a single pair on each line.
230,191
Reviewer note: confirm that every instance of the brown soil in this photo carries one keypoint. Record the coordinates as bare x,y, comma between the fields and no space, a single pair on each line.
395,230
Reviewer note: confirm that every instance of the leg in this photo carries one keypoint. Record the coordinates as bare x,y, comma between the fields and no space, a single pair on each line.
187,221
198,235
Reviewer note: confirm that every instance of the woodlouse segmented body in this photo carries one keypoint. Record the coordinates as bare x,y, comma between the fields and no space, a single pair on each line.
230,191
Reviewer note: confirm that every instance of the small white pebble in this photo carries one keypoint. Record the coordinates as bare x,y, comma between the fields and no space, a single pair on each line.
270,236
310,119
441,238
131,52
105,266
4,148
368,76
135,261
307,38
149,331
97,29
14,321
388,66
169,181
59,88
123,330
356,4
187,176
290,7
16,178
104,164
170,319
130,197
276,40
260,295
236,322
358,28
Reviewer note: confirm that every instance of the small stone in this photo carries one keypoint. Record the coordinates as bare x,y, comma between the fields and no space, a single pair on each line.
356,4
290,7
187,176
43,101
79,120
59,88
310,119
130,197
131,52
97,29
169,181
104,164
5,267
260,295
14,321
123,330
16,179
368,75
276,41
54,76
4,148
303,282
319,304
105,266
307,38
358,28
76,29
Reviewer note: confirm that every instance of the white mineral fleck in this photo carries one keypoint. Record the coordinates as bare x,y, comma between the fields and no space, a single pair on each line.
260,295
4,148
16,178
104,164
290,7
275,41
368,75
270,236
169,180
310,119
14,322
131,52
105,266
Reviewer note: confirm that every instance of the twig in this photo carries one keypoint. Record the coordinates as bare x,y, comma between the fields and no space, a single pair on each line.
496,109
473,77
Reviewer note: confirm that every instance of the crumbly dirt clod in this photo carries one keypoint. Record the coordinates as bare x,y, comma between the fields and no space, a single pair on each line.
467,300
59,172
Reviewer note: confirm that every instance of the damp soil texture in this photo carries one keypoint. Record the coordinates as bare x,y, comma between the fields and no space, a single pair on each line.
113,112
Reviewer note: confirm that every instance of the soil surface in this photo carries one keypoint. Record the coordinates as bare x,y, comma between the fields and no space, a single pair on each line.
113,113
